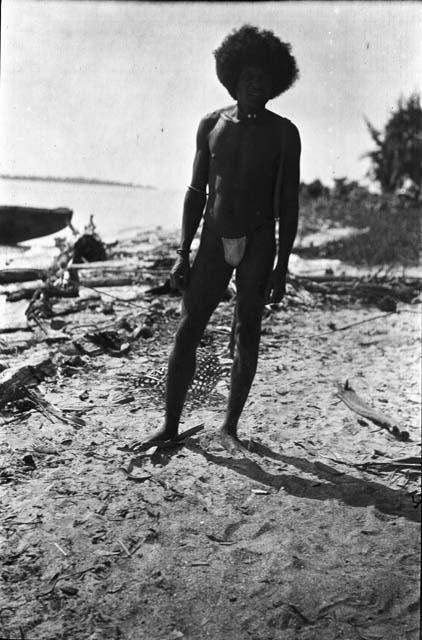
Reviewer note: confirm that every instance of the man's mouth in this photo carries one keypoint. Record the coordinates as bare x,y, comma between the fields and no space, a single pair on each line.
254,98
255,95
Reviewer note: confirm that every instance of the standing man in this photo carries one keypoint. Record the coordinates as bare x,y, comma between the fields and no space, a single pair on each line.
248,157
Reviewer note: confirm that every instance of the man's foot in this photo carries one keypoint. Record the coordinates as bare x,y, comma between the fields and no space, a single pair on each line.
163,437
160,437
232,443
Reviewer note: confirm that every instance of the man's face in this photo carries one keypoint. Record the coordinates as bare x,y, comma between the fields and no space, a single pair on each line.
253,88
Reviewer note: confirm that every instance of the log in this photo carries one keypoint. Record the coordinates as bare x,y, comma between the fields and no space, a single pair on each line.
103,264
28,373
19,326
356,288
51,291
10,275
354,402
21,294
74,307
101,283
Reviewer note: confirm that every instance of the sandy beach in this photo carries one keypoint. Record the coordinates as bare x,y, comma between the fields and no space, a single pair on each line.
133,115
305,538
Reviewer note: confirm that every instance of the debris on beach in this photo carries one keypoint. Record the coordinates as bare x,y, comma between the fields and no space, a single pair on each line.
92,507
89,247
24,375
153,382
354,402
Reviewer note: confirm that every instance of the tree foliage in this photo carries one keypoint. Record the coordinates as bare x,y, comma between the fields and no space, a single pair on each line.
397,156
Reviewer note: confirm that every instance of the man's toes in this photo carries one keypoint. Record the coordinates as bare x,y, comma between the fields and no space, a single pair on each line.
232,445
135,446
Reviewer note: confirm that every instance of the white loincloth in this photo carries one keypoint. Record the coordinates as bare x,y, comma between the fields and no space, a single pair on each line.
234,250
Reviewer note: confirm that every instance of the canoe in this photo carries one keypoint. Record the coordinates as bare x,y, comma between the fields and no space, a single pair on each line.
18,224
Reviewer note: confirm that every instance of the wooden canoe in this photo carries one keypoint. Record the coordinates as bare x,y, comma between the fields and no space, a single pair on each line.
18,224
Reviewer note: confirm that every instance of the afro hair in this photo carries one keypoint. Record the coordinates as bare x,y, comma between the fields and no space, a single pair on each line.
249,46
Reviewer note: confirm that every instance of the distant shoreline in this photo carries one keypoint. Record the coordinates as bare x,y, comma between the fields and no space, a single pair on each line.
107,183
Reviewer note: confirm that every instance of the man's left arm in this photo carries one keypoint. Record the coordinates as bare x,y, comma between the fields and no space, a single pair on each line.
289,210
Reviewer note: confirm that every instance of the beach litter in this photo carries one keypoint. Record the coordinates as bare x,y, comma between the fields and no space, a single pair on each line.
359,406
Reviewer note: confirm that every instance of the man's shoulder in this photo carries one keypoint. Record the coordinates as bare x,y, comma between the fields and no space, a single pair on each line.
213,116
283,124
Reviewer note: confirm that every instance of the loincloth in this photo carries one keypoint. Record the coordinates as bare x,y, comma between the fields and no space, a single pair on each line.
234,250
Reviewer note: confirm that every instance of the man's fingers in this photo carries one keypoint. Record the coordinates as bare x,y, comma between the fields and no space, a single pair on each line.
177,282
179,279
277,295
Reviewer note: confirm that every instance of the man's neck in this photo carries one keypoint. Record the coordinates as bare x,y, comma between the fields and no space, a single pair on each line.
247,113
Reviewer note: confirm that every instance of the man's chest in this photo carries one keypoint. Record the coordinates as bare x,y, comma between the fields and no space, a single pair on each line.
252,146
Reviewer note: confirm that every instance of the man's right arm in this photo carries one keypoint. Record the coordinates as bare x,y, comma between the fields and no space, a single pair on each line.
196,197
194,204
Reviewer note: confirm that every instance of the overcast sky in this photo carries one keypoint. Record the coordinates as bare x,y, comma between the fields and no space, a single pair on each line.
116,90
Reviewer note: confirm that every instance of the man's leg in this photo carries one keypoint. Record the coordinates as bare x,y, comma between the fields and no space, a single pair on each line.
252,278
209,278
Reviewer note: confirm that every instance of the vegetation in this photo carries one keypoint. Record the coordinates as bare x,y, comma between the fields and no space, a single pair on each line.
397,156
390,224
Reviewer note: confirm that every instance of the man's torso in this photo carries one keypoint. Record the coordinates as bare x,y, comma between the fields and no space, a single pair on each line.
244,161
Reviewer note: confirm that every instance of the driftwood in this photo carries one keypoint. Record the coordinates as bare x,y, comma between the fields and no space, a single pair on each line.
50,290
75,306
51,412
9,275
27,374
17,326
108,265
411,463
122,281
354,402
333,328
21,294
352,286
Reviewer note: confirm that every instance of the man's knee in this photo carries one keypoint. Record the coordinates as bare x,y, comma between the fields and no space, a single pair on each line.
189,333
247,333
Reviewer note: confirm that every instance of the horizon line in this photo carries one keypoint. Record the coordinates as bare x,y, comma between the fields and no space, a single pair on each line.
76,180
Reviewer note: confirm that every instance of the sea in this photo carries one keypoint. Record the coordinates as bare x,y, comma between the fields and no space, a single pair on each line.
118,212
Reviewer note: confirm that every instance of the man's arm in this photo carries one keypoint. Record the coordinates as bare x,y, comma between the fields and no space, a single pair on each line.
289,199
195,197
193,205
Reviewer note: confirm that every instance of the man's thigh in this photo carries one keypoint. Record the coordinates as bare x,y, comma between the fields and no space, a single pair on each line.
209,277
254,272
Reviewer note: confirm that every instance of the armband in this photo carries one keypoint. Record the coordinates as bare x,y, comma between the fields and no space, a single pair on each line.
203,193
183,252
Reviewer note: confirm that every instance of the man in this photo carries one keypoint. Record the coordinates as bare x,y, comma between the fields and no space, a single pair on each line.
249,158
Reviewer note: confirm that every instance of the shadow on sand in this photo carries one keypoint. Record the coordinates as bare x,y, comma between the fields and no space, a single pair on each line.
336,486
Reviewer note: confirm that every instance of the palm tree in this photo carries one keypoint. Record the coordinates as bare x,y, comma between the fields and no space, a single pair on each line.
398,154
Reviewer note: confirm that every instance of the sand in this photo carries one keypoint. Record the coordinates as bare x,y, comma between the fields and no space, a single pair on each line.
293,542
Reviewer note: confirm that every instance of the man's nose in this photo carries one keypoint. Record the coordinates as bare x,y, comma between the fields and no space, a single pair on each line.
255,82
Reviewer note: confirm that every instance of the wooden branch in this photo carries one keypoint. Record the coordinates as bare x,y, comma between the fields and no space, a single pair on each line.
28,373
354,402
9,275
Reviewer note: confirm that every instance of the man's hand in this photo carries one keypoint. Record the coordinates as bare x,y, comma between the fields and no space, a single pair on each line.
179,275
277,286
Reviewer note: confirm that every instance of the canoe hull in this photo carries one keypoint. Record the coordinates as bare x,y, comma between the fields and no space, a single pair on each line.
18,224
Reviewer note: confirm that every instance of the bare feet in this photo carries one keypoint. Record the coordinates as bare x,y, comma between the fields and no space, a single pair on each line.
164,437
232,443
159,437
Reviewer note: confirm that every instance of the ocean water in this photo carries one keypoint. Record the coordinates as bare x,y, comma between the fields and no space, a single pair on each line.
118,212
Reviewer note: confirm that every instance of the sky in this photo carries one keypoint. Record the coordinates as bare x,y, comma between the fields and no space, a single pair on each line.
115,90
